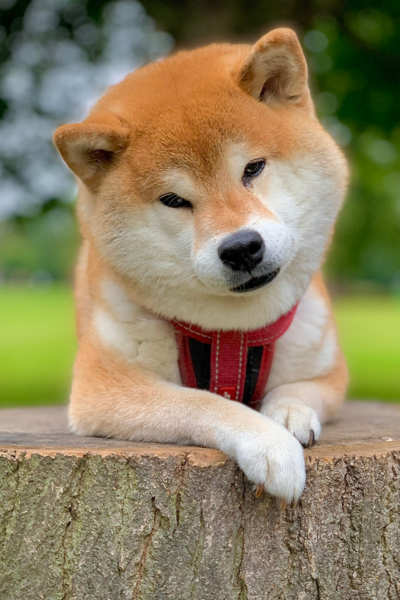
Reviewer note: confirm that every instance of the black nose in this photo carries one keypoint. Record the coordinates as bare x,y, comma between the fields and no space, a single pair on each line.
242,251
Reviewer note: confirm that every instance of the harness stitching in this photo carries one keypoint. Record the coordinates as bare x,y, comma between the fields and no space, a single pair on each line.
216,364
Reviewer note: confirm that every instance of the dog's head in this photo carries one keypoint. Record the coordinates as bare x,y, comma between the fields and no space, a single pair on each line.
208,184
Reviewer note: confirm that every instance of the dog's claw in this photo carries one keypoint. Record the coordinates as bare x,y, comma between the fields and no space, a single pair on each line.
282,504
259,490
311,440
294,504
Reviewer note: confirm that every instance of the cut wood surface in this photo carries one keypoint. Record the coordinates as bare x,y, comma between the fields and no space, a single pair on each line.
100,519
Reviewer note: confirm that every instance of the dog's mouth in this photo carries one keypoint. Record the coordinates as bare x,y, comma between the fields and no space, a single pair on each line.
256,282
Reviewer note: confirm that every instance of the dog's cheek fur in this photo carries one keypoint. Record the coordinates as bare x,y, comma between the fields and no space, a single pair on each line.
150,245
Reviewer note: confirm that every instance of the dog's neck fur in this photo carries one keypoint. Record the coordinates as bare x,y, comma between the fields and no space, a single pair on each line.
208,310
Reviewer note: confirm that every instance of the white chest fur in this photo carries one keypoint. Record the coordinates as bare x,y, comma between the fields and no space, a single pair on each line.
135,334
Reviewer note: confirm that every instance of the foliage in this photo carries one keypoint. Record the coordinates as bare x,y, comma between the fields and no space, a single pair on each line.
59,56
42,247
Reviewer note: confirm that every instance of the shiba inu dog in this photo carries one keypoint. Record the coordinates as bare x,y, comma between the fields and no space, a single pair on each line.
208,196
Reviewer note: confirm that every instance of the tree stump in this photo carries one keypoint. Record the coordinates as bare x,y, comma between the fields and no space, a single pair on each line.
99,519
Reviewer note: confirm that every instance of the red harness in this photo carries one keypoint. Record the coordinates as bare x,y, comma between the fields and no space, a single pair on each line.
233,364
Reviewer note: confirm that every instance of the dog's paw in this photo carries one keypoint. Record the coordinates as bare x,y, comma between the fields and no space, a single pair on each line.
273,459
299,419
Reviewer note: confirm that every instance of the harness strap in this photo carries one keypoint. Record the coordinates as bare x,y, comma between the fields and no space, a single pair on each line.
234,364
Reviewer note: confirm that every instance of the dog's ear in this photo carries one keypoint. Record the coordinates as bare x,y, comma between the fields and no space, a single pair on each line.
275,71
91,147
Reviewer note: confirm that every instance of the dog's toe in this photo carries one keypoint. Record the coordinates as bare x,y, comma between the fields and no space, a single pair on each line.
301,420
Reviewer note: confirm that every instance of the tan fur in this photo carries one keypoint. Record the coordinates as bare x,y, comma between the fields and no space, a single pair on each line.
188,125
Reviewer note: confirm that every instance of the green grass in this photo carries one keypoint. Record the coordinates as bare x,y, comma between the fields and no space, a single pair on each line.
369,330
37,345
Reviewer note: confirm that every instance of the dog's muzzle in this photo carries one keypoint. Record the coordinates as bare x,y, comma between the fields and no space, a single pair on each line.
256,282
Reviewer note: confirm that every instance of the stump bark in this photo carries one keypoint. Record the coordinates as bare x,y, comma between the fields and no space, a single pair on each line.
94,519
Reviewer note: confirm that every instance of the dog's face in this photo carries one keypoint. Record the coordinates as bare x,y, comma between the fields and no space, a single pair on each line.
207,176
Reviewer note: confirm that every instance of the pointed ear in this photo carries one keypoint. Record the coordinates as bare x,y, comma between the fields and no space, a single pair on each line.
275,70
90,148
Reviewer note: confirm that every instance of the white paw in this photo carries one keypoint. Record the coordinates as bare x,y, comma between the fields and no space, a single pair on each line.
273,459
299,419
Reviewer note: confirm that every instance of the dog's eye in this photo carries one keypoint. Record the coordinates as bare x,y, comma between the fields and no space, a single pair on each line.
253,169
174,201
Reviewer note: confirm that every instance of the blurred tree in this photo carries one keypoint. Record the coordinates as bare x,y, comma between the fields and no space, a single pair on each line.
59,54
57,57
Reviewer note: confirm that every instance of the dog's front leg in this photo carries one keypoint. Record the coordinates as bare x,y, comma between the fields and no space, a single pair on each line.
113,398
303,406
309,374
